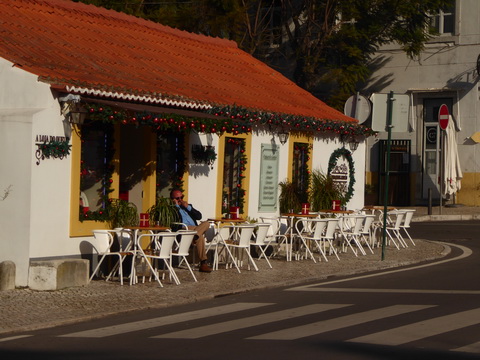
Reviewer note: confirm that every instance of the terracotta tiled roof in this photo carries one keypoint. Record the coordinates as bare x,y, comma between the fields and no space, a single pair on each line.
89,50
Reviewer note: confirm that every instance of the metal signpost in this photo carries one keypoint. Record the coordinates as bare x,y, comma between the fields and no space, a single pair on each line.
387,174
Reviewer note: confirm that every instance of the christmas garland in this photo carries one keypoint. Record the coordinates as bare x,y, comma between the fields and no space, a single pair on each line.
292,122
52,149
233,119
351,170
204,154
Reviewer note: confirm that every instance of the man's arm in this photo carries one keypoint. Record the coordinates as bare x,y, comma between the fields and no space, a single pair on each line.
194,213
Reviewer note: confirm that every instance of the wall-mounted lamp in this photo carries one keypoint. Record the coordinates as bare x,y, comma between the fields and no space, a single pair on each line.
283,137
77,116
72,109
353,144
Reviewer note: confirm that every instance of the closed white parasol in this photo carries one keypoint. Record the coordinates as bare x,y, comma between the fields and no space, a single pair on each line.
452,171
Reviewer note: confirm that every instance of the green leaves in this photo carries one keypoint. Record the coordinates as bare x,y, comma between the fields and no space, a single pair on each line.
163,212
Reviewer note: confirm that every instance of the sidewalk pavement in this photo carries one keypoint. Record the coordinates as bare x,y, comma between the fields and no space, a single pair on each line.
23,310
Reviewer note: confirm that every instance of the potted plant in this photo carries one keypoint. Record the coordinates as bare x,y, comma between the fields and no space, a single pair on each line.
163,212
121,213
289,199
323,191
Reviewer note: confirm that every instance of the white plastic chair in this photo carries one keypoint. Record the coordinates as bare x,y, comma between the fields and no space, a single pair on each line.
303,229
158,247
350,229
313,230
406,222
394,221
217,245
105,241
329,235
239,242
182,248
366,231
262,241
274,236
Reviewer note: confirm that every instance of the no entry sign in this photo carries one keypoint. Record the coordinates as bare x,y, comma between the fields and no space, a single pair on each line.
443,117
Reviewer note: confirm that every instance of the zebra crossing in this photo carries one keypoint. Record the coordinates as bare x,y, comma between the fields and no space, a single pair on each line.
240,317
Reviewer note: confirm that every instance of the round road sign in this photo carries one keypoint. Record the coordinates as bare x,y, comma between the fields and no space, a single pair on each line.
357,107
443,116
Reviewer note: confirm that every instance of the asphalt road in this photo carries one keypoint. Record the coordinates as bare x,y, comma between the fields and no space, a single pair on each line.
426,310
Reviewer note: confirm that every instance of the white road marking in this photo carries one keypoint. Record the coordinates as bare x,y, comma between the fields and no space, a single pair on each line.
341,322
422,329
402,291
165,320
14,338
312,287
237,324
472,348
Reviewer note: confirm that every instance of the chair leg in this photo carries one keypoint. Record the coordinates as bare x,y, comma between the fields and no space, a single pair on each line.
97,267
190,269
264,255
406,232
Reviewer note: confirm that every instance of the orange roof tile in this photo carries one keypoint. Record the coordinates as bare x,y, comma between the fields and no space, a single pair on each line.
91,50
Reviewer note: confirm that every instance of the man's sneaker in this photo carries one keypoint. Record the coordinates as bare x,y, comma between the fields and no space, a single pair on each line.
205,268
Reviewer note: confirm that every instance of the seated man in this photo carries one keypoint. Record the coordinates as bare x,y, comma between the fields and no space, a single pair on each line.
189,217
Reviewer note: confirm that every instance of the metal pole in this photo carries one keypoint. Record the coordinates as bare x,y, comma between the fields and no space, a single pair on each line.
387,170
442,165
429,201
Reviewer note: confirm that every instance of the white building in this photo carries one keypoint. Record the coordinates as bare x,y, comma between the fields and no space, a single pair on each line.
143,88
446,72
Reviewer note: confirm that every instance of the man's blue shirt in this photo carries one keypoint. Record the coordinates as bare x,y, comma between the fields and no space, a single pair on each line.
186,219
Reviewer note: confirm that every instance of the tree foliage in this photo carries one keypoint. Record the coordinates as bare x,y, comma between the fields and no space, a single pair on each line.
314,42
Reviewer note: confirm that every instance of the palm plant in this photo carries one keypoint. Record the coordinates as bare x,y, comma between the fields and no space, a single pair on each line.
163,212
323,191
289,199
121,213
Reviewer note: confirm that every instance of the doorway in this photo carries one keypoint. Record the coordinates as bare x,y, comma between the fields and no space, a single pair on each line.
432,145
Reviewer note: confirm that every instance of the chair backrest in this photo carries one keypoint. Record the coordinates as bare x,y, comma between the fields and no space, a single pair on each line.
408,217
367,224
284,224
331,228
103,239
165,242
398,220
262,233
185,240
318,226
358,223
125,237
245,233
274,228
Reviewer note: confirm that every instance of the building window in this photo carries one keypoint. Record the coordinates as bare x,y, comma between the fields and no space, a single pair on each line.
301,172
96,169
444,22
170,163
234,169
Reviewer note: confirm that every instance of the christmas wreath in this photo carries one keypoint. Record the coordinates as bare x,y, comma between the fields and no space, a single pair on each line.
351,170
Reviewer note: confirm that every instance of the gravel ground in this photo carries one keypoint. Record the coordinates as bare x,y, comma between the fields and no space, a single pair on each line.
25,309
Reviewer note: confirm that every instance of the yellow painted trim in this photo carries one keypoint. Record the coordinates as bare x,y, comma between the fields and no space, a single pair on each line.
186,153
298,138
78,228
149,184
246,179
